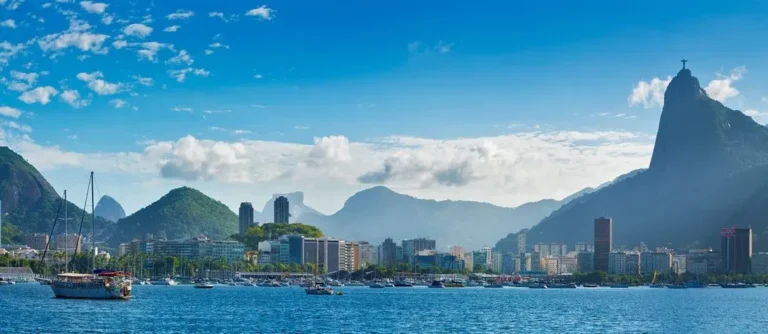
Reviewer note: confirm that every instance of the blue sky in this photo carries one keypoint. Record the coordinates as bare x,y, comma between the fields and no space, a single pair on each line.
314,96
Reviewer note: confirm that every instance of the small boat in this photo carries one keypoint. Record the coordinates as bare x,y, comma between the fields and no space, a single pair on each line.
677,286
589,286
537,286
657,286
354,283
4,282
389,285
562,286
494,286
403,284
377,285
288,284
203,285
335,283
696,285
454,284
737,286
437,285
43,281
318,289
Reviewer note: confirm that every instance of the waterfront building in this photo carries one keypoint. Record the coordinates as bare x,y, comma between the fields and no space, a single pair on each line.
736,250
196,248
295,244
264,258
457,251
350,256
567,265
388,253
325,253
760,263
582,247
558,249
632,263
413,246
245,216
617,263
280,251
469,262
282,210
123,249
585,262
509,264
679,264
37,241
480,258
431,259
550,265
537,264
70,243
542,249
660,262
487,251
522,239
368,254
496,263
703,261
603,239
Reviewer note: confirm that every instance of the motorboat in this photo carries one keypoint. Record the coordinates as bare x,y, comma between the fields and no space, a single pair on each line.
99,285
437,285
203,285
537,286
318,289
164,281
562,286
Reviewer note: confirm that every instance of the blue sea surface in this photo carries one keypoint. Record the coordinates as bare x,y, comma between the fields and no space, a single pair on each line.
31,308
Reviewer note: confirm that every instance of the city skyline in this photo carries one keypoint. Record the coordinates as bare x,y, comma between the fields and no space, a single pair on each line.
157,95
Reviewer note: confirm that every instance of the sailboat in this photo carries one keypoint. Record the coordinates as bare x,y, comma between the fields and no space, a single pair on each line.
100,284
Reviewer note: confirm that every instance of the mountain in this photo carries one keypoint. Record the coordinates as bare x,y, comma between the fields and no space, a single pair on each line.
709,170
377,213
29,202
181,213
297,208
109,209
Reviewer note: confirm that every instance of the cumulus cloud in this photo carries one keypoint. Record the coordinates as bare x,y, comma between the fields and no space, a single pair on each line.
40,95
99,85
172,29
85,41
181,75
93,7
144,81
185,109
262,12
9,23
119,44
649,94
721,88
72,97
149,50
182,58
137,30
180,15
118,103
222,17
10,112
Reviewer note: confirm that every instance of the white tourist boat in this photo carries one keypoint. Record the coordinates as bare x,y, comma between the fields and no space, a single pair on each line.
101,285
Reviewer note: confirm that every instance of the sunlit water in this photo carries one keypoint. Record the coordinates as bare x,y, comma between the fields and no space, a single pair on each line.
31,308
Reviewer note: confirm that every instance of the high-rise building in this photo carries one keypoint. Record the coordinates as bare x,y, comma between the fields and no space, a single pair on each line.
295,249
536,262
412,246
736,250
282,210
350,256
585,262
703,261
324,253
603,242
632,263
496,262
245,216
760,263
679,264
567,265
458,252
368,254
388,253
487,251
37,241
659,262
617,263
71,243
509,264
480,260
522,239
469,262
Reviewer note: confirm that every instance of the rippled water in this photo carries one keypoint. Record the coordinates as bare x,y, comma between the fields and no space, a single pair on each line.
31,308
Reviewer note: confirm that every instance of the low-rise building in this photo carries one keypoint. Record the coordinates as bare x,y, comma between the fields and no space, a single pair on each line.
585,262
37,241
760,263
617,263
567,265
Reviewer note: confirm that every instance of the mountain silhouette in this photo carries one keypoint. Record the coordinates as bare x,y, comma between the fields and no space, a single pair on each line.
709,170
296,204
109,209
377,213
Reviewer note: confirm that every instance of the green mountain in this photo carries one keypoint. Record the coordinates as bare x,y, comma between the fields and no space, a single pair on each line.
182,213
709,170
29,202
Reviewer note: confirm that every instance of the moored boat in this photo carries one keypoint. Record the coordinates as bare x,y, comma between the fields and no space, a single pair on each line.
437,285
537,286
100,285
494,286
454,284
562,286
203,285
318,289
164,281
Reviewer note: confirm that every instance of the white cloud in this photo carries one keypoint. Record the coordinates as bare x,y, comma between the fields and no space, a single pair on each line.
118,103
98,85
208,52
119,44
85,41
93,7
443,47
9,23
181,75
216,14
137,30
107,19
17,126
650,94
20,81
144,81
182,58
301,127
218,45
40,95
72,97
180,15
262,12
216,111
10,112
720,89
172,29
185,109
8,51
759,116
150,50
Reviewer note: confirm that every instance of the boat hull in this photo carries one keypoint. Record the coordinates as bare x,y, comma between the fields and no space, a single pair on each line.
89,291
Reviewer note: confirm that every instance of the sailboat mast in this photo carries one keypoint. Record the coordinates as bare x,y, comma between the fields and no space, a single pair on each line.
93,227
66,234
